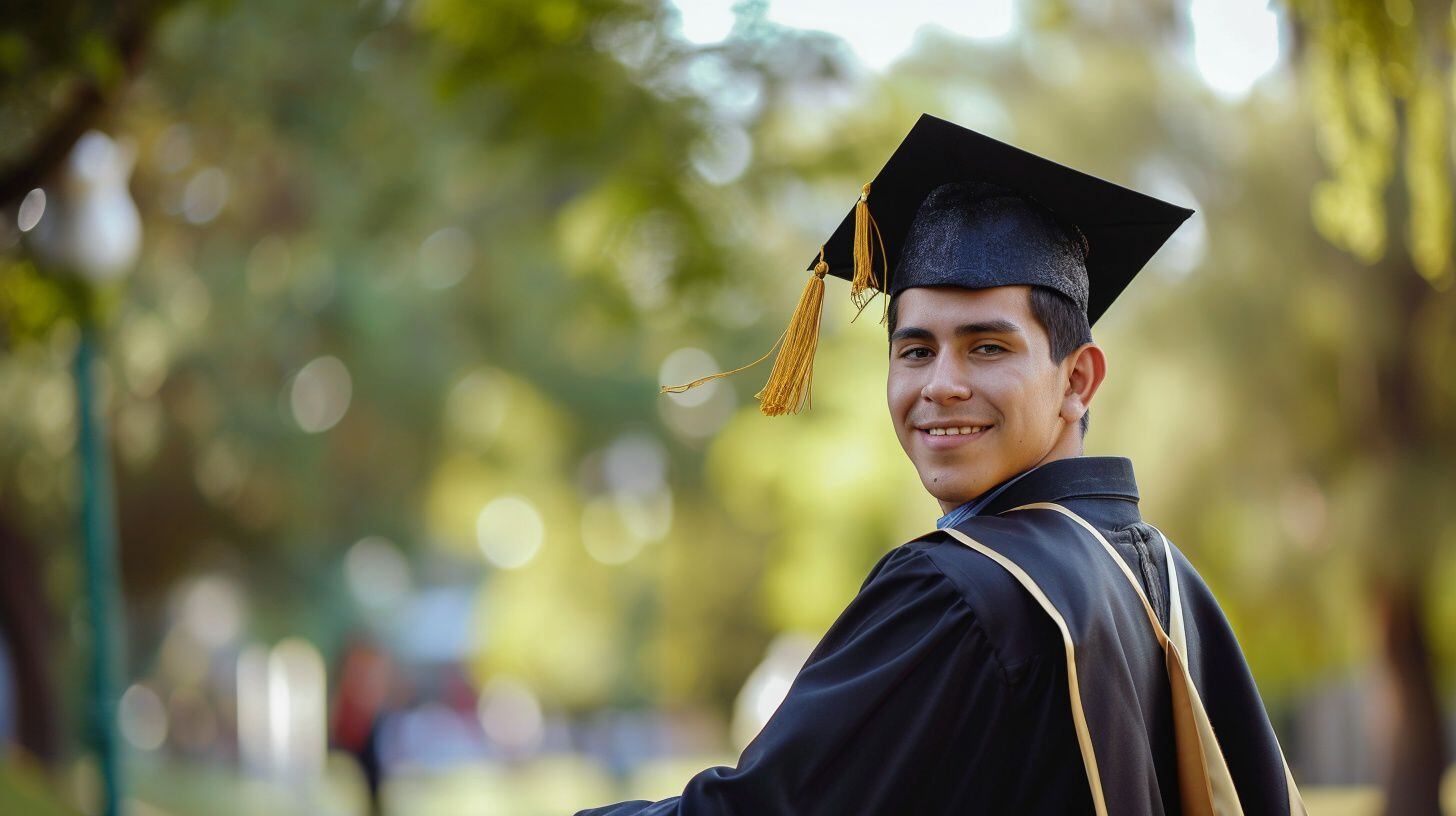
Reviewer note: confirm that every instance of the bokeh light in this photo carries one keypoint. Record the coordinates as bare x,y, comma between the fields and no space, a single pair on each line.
320,394
32,209
511,714
1235,42
212,608
445,258
142,718
509,531
205,195
377,572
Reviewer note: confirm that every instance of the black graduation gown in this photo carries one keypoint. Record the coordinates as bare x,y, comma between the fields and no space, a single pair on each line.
943,686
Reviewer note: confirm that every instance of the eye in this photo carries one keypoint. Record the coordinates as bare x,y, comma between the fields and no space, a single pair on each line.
914,353
995,349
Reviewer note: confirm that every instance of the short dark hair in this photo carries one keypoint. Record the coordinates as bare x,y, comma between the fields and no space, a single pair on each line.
1064,322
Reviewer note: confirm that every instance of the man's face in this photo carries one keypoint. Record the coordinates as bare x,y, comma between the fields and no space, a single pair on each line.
972,359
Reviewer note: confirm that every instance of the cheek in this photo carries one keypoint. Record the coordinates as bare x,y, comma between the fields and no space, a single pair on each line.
1004,392
1020,400
900,394
1039,403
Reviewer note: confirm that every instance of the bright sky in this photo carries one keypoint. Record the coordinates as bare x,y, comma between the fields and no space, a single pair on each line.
1235,42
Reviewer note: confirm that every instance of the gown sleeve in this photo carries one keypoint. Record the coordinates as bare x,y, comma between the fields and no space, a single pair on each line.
870,716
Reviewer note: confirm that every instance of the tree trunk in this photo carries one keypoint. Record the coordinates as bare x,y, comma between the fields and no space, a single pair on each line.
26,623
1416,754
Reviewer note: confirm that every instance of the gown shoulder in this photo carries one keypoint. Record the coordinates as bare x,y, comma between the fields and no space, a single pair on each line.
1017,630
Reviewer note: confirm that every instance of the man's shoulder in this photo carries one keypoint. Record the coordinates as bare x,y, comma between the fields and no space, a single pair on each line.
936,558
1011,617
984,579
969,570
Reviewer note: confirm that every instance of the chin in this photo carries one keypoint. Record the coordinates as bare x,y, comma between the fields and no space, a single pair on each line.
952,488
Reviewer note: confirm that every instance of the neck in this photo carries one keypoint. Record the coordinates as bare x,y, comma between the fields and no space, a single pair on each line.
1067,446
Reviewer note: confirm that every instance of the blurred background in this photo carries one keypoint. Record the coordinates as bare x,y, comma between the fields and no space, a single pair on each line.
333,474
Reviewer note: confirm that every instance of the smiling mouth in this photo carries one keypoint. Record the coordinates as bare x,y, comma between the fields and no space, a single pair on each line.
947,438
963,430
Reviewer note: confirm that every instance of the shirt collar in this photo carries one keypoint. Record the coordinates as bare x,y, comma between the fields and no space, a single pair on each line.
1054,481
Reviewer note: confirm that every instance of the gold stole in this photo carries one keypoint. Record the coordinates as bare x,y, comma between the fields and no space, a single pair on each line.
1205,785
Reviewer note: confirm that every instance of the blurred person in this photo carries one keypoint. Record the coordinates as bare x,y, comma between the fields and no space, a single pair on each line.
366,695
1045,650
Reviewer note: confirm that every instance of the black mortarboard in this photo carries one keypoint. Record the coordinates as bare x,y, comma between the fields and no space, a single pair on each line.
953,207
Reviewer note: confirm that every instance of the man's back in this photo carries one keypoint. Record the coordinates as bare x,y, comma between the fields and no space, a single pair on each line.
1125,696
944,686
1044,525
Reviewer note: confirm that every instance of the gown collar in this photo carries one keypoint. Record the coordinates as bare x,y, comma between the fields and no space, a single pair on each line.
1054,481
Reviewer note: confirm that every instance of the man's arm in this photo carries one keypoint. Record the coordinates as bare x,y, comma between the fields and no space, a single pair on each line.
868,716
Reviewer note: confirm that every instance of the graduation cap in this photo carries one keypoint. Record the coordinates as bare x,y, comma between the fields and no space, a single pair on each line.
953,207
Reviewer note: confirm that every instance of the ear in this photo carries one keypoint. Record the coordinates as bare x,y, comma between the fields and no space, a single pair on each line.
1085,369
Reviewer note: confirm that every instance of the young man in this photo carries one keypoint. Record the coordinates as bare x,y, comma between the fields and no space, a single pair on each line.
1046,650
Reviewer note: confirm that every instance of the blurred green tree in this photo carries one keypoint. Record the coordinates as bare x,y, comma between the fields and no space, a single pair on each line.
1380,81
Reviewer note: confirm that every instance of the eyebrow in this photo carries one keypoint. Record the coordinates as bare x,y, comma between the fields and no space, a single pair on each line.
999,326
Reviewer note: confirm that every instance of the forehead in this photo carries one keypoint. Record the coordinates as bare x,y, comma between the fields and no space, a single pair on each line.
933,307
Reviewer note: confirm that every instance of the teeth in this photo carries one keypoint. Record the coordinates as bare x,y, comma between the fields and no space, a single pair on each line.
967,429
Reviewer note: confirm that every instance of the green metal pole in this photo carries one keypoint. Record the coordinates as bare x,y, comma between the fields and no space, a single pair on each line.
98,521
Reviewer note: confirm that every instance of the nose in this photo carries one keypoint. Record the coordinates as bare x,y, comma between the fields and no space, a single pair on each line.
948,383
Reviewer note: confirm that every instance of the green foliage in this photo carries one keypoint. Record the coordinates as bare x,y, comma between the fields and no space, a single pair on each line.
31,303
25,789
1381,79
53,56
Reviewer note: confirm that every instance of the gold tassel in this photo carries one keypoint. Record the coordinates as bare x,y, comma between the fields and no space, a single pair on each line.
789,384
864,262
